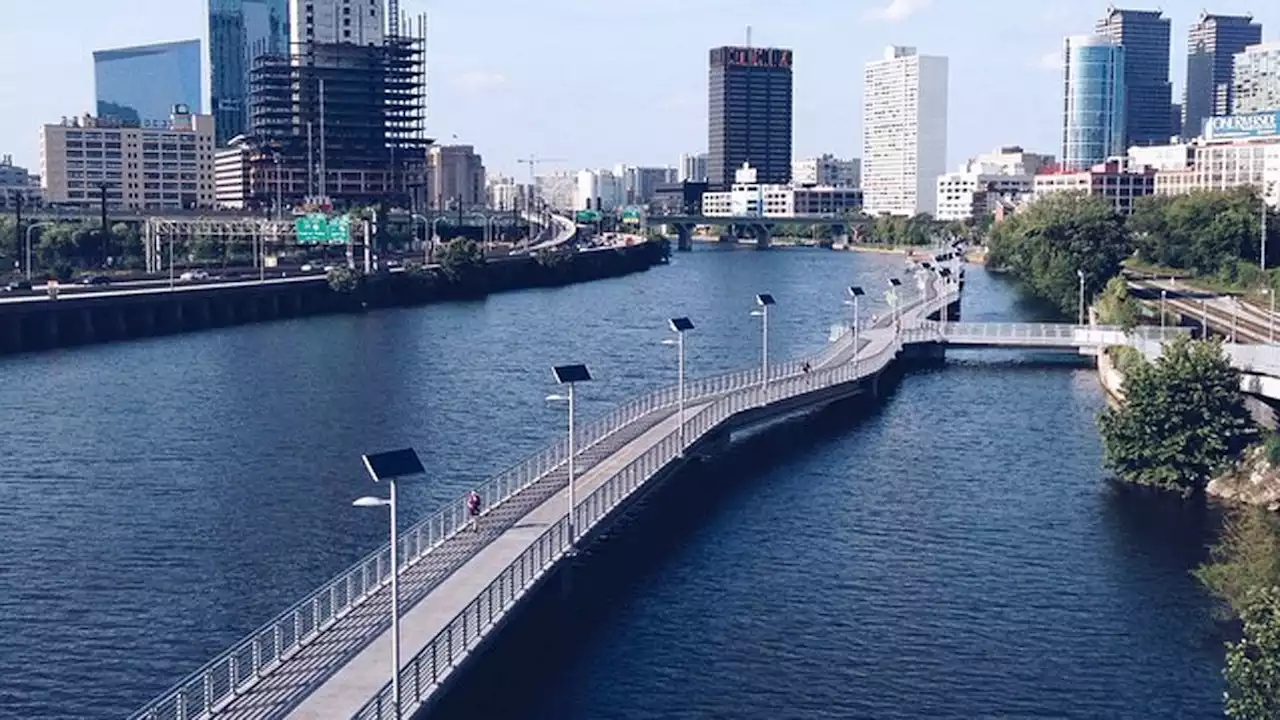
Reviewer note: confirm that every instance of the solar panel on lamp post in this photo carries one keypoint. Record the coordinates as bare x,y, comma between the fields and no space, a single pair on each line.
894,284
389,466
570,375
764,300
680,326
855,292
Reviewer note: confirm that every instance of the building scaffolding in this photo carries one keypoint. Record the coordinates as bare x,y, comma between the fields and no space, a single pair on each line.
342,121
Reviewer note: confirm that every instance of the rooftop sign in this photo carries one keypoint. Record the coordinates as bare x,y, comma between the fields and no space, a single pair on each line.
751,57
1254,125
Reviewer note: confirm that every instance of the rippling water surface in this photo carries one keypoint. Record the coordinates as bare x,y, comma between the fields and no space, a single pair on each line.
952,554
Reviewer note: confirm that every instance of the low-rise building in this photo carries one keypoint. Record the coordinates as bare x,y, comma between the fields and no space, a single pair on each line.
137,168
1113,180
504,193
17,186
1234,151
827,170
747,198
1005,175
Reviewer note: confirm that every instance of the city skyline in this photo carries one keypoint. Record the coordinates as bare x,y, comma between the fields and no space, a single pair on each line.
493,94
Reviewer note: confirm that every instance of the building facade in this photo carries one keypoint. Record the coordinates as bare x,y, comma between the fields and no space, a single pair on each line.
1234,151
1145,36
598,190
240,32
140,85
335,22
17,186
749,113
138,168
1212,44
640,183
506,193
558,190
455,176
904,145
827,170
692,168
1093,102
1256,79
1003,176
1112,180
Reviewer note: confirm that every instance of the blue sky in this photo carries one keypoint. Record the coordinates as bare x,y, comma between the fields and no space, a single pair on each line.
598,82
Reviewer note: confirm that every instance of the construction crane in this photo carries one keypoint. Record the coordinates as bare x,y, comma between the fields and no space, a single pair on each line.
533,161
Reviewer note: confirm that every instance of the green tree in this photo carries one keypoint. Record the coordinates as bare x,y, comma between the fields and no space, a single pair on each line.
343,279
1253,663
462,260
1183,420
1115,306
1246,557
1204,231
1053,238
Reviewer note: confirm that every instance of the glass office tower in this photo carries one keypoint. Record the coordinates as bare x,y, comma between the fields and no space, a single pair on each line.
1093,126
140,85
240,31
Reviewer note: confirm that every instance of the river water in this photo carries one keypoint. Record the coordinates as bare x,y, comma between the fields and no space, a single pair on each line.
953,554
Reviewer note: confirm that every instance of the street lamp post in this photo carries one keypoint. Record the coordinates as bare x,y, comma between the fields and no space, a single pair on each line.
1164,295
1271,317
570,375
680,326
30,228
388,466
894,284
1080,274
1235,316
1204,319
855,292
764,300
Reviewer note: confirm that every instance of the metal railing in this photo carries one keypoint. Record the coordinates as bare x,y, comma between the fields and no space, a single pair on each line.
426,670
1037,334
236,670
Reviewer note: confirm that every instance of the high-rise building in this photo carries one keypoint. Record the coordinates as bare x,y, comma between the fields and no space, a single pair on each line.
557,189
455,176
139,168
598,190
750,114
1212,44
828,171
240,31
1093,101
640,183
904,144
1145,37
347,118
693,167
140,85
1256,79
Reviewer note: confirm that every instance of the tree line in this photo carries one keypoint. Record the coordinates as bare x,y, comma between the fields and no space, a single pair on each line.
1207,233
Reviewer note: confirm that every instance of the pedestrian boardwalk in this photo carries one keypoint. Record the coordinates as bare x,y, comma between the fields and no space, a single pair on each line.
329,656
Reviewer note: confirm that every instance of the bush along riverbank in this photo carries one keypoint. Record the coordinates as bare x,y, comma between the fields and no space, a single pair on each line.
463,273
1181,428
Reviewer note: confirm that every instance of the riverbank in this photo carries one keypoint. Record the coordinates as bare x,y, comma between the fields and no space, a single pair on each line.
44,324
1255,480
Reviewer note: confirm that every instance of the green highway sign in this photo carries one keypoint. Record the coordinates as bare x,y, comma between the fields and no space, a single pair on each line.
631,216
587,216
317,229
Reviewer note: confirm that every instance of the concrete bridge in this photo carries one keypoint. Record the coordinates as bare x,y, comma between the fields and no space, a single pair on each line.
763,228
327,656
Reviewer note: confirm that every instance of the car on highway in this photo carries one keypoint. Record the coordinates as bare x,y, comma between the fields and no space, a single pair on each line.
17,285
192,275
95,280
308,267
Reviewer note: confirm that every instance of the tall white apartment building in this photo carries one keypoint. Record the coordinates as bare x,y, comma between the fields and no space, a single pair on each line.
693,167
1256,79
334,22
904,144
827,170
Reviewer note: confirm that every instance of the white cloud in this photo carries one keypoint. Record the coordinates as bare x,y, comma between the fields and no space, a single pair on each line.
898,10
478,81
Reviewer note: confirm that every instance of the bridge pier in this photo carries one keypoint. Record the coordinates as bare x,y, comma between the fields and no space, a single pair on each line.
764,236
684,237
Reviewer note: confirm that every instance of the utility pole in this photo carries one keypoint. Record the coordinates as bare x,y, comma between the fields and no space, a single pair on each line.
105,232
1263,243
17,225
323,169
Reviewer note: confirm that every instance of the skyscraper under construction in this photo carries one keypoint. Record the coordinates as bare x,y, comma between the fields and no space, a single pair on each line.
340,118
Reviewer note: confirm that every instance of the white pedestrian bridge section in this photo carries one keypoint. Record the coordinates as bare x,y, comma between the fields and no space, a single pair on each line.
328,656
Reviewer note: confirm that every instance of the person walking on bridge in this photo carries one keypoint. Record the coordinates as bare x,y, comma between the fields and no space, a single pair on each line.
473,509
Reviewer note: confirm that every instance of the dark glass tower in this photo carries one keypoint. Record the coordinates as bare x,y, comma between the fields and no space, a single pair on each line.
140,85
240,31
1145,37
750,114
1212,44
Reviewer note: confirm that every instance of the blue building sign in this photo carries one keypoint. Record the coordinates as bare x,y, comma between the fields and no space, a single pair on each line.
1254,125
